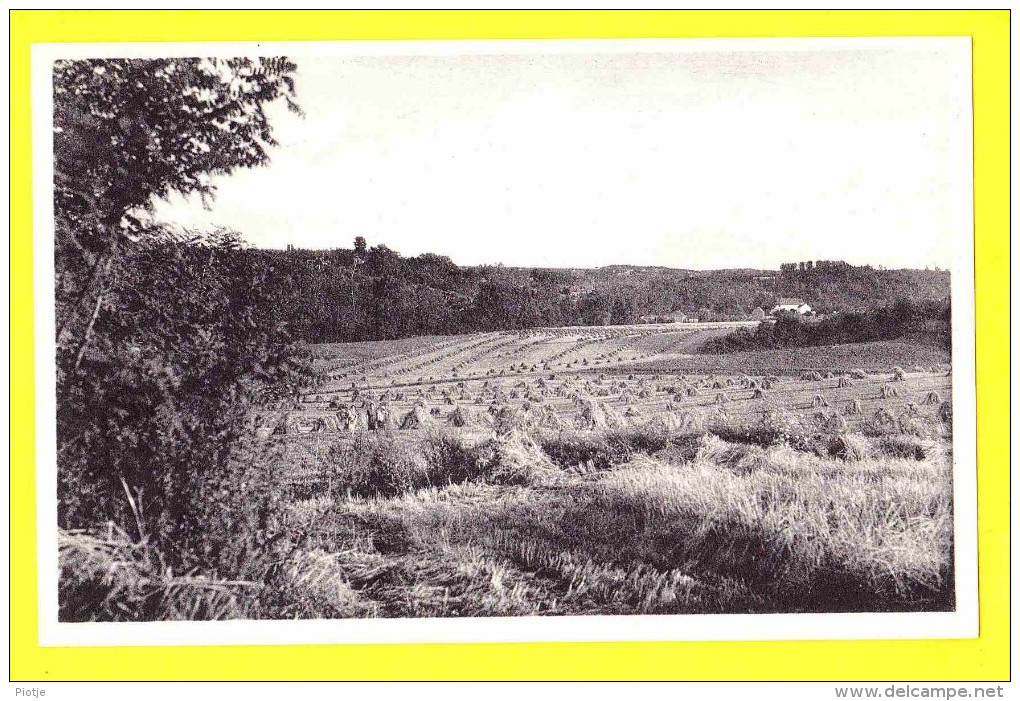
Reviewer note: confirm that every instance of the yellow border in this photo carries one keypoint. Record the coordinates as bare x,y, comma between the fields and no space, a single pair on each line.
985,658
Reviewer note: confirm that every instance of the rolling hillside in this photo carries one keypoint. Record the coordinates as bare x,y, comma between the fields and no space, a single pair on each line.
374,293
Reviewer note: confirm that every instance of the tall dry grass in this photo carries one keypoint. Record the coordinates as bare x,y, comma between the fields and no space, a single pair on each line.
736,527
635,520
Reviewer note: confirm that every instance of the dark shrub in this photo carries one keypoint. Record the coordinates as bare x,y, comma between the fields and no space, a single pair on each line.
154,408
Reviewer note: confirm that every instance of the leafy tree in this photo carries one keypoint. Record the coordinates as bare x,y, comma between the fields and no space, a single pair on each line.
166,344
127,131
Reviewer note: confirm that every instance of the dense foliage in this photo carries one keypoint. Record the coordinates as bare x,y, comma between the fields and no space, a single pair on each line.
928,322
375,293
165,343
153,418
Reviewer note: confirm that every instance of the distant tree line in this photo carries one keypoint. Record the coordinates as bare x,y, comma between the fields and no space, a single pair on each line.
372,293
926,321
809,265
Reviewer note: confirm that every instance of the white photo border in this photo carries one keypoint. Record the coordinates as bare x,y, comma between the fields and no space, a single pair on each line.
960,623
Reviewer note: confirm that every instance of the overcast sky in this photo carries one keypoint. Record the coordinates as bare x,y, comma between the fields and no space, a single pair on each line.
697,160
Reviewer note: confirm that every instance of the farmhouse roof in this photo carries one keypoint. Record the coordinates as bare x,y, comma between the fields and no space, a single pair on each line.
789,302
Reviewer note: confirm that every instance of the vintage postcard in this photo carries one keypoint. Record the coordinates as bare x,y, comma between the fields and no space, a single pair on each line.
505,341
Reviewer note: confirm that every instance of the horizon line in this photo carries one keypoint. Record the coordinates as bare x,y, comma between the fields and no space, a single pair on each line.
873,266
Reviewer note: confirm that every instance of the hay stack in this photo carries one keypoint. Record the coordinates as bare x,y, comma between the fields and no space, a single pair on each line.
883,419
818,401
820,418
858,374
349,419
760,394
912,423
520,460
595,414
508,420
811,375
665,422
890,391
945,413
898,374
844,381
853,408
416,418
460,418
548,418
691,420
721,398
852,448
932,398
836,423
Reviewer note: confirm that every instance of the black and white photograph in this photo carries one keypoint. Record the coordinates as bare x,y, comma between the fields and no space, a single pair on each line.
519,340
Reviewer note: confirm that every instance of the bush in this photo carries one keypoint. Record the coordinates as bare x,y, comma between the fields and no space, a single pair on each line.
380,465
602,450
167,346
851,447
906,446
155,405
384,466
877,324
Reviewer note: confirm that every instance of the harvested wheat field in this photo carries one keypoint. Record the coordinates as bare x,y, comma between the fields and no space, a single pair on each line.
563,471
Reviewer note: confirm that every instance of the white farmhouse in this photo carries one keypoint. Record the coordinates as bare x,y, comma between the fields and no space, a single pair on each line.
788,304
